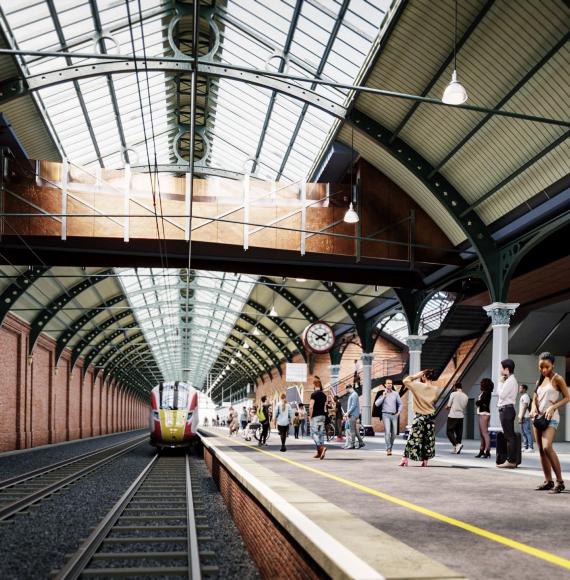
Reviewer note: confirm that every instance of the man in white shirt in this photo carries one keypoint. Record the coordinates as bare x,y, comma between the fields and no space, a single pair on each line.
456,406
524,419
508,389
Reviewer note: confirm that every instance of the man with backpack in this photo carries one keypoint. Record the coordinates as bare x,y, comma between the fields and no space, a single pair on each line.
263,416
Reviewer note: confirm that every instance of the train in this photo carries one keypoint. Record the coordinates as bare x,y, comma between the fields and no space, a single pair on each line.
173,415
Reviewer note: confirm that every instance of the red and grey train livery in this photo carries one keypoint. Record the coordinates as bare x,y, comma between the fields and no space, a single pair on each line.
173,415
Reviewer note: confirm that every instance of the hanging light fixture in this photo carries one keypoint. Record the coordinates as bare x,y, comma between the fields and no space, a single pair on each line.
227,367
233,361
255,333
455,93
273,312
245,344
239,355
351,217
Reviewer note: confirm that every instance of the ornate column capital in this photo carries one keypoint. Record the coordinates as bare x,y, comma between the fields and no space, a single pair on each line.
500,312
367,358
415,342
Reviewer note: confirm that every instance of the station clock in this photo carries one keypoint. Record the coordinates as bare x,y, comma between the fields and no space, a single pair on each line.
318,337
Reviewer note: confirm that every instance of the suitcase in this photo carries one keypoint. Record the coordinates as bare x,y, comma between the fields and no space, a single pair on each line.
502,448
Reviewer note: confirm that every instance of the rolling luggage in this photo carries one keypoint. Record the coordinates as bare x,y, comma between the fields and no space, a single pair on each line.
502,448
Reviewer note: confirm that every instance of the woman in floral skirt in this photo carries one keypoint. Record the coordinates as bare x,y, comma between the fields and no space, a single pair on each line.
421,440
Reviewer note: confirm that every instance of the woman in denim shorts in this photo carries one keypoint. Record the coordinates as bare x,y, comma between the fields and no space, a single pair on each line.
551,394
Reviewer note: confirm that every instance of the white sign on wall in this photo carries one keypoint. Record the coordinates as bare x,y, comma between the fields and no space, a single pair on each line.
296,373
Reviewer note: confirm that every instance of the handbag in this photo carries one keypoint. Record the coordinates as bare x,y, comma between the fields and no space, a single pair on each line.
540,421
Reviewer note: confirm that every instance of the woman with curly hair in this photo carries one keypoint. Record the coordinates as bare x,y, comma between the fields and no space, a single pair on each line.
551,394
421,440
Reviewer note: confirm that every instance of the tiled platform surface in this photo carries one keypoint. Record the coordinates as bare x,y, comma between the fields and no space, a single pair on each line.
460,517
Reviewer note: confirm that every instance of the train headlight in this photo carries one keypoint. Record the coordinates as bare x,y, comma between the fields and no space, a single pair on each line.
156,415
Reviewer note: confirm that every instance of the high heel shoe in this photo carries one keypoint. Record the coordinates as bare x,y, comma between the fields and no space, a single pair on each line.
481,453
424,463
404,462
487,454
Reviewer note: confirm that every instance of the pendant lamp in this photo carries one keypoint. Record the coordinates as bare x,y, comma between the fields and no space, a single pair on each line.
455,93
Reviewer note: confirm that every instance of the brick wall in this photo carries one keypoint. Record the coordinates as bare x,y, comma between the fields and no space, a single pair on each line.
41,403
272,548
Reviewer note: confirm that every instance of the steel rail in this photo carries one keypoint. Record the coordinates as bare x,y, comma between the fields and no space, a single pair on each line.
160,492
6,483
14,507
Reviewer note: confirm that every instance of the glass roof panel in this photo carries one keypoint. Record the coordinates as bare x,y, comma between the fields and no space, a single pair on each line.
185,335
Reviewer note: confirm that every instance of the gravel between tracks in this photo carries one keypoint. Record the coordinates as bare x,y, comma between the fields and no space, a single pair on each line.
34,544
37,543
13,464
232,557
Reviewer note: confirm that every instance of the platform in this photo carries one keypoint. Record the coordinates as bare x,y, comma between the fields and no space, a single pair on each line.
459,518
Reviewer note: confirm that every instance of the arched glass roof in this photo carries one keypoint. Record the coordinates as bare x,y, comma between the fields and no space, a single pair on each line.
185,319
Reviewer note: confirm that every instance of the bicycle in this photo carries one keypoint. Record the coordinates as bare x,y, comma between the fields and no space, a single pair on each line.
257,433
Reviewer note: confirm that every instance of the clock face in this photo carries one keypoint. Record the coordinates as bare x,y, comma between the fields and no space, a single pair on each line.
319,337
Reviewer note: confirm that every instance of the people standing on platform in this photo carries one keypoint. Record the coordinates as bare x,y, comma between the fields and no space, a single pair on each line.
391,405
352,412
302,419
420,445
338,419
318,415
296,424
263,415
283,416
243,418
551,394
457,405
508,389
483,404
524,419
356,377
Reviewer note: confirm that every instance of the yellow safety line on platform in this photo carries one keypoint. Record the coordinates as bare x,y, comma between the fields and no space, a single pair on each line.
552,558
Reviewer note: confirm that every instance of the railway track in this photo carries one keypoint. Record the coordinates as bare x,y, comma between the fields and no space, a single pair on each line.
152,531
19,493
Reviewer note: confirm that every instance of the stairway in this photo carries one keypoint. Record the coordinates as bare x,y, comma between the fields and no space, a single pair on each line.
461,323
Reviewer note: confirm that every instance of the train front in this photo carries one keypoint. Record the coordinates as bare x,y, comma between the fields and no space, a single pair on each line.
174,415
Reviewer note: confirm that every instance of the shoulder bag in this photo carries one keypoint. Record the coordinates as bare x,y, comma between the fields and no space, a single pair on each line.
540,421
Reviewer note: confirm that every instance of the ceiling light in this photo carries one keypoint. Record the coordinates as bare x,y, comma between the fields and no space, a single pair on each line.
255,332
233,361
300,279
245,345
351,217
273,312
227,367
455,93
239,355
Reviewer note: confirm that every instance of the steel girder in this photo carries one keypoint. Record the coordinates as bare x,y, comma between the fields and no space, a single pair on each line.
291,298
86,340
227,357
413,302
18,288
274,358
266,367
256,362
291,334
13,88
276,340
98,348
471,224
67,335
142,353
59,303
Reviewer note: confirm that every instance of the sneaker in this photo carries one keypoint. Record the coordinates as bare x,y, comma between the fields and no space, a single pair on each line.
558,488
508,465
323,452
459,448
361,445
454,449
545,486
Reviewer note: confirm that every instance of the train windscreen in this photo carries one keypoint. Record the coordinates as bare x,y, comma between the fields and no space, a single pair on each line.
174,397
